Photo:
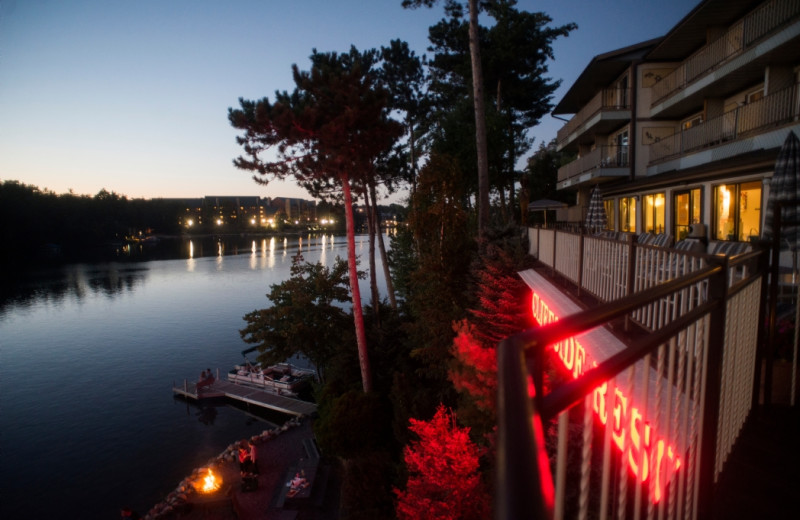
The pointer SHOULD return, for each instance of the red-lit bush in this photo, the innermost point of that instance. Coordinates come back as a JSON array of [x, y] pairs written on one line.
[[443, 478]]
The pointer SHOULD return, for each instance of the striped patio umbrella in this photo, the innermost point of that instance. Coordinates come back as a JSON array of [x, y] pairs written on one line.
[[784, 188], [784, 192], [596, 219]]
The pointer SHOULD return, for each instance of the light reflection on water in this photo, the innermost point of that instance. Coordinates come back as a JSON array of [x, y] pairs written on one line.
[[88, 356]]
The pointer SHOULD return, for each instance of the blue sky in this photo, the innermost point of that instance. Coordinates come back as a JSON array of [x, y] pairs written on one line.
[[132, 96]]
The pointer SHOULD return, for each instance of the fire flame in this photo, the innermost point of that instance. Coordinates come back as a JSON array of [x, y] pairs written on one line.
[[210, 482]]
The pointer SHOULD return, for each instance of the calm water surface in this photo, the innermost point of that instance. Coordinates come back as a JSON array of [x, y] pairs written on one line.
[[88, 355]]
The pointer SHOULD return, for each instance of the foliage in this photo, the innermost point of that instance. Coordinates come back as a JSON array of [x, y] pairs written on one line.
[[402, 261], [366, 487], [474, 375], [501, 310], [328, 131], [306, 315], [514, 51], [403, 75], [352, 424], [439, 288], [443, 477], [38, 222], [502, 295]]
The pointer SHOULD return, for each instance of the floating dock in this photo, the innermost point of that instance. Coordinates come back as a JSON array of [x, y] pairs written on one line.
[[247, 394]]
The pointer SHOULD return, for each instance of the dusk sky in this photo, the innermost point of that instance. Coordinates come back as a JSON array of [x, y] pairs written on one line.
[[132, 96]]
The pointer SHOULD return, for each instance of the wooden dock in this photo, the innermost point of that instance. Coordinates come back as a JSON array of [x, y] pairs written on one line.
[[247, 394]]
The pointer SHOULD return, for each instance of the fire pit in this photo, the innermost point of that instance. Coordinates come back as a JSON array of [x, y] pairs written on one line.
[[210, 494], [209, 483]]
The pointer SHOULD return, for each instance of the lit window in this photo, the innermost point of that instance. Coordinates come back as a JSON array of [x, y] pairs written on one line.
[[737, 211], [654, 213], [627, 214], [608, 205], [687, 211]]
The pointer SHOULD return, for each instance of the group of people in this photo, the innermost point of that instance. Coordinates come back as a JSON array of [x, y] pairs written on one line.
[[248, 465], [206, 379]]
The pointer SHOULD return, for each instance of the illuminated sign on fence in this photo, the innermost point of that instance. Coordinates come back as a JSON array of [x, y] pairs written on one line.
[[632, 434]]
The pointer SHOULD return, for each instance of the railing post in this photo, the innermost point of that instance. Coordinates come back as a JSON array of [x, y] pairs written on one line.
[[555, 242], [631, 274], [580, 263], [763, 314], [718, 291], [524, 483], [773, 301]]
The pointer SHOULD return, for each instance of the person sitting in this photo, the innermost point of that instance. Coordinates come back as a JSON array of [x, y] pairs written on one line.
[[206, 379], [298, 482]]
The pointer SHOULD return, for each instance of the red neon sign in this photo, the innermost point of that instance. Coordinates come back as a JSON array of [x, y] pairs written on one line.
[[631, 433]]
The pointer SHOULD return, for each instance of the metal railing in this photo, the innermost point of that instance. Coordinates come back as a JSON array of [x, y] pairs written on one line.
[[647, 431], [739, 37], [606, 99], [775, 109], [605, 156]]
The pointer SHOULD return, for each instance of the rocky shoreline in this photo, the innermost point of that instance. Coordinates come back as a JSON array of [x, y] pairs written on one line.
[[178, 501]]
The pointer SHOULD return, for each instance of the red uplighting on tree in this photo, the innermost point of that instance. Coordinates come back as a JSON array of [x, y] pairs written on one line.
[[443, 478]]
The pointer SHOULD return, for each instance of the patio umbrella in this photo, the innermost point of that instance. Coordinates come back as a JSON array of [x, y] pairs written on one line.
[[545, 205], [596, 219], [784, 193]]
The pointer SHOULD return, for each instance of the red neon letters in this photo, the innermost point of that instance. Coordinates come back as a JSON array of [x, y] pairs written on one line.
[[630, 431]]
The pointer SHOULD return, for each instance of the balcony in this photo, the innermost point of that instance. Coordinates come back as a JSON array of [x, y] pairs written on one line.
[[743, 122], [742, 37], [606, 111], [602, 162]]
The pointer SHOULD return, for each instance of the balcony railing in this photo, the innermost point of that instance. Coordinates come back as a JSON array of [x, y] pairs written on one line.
[[607, 156], [739, 37], [606, 99], [770, 111], [668, 407]]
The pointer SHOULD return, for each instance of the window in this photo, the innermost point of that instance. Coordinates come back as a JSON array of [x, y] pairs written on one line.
[[687, 211], [608, 204], [737, 211], [654, 211], [754, 96], [627, 214], [694, 121]]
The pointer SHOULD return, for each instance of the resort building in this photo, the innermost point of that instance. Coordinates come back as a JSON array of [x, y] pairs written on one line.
[[660, 325], [685, 128]]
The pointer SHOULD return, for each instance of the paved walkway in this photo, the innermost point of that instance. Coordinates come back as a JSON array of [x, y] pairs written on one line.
[[275, 456]]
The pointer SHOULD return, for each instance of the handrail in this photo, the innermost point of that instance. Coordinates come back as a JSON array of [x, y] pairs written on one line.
[[569, 393], [740, 36], [773, 109], [569, 326], [521, 457]]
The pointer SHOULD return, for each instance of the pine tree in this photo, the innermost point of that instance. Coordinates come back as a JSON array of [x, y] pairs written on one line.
[[502, 298], [444, 482]]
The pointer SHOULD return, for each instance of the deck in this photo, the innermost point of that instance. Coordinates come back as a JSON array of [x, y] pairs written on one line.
[[249, 395]]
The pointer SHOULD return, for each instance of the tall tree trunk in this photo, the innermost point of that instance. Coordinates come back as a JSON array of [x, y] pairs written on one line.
[[375, 297], [382, 249], [480, 119], [355, 292], [413, 156]]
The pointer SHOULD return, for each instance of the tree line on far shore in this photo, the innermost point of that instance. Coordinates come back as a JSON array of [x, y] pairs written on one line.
[[40, 227]]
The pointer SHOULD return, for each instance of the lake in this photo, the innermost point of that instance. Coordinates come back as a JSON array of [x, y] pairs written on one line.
[[89, 354]]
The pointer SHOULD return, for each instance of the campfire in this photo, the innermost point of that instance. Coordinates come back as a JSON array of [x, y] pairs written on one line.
[[209, 483]]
